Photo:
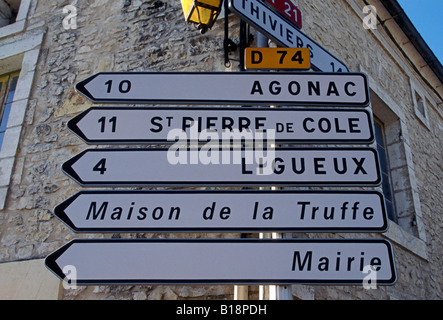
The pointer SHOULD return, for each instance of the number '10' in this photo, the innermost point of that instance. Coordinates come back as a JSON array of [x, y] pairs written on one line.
[[123, 87]]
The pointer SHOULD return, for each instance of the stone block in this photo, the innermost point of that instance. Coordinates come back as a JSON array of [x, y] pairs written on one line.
[[28, 280]]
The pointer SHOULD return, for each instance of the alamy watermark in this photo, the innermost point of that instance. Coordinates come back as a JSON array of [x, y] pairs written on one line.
[[218, 147], [370, 20], [70, 21], [70, 279], [370, 280]]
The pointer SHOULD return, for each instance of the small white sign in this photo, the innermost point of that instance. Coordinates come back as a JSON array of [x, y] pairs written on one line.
[[230, 211], [210, 261], [285, 125], [213, 166], [220, 88]]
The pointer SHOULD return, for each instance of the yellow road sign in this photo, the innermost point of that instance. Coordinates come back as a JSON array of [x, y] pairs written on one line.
[[277, 58]]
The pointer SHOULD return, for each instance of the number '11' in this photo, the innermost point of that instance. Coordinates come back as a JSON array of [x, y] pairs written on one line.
[[112, 121]]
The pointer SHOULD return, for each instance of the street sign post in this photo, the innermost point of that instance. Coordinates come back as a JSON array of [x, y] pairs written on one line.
[[223, 261], [109, 125], [224, 211], [277, 58], [201, 155], [288, 10], [220, 88], [285, 33], [208, 166]]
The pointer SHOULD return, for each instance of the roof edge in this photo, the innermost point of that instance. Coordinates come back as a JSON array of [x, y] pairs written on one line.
[[400, 17]]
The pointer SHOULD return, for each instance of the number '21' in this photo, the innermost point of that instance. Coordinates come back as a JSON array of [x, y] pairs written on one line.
[[288, 11]]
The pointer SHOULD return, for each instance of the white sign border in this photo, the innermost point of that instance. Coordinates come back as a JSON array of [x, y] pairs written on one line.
[[59, 211], [254, 111], [68, 169], [51, 262], [221, 83]]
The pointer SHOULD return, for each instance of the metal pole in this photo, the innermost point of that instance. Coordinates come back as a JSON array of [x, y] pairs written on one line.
[[242, 292], [264, 290], [272, 292], [279, 292]]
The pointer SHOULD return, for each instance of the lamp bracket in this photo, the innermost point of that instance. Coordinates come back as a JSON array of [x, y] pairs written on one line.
[[230, 45]]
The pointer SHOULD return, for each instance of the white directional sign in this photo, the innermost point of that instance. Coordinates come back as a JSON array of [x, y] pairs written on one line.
[[230, 211], [210, 261], [285, 33], [166, 125], [219, 88], [211, 166]]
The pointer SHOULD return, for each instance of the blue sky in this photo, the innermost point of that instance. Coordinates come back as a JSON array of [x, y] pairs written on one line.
[[427, 17]]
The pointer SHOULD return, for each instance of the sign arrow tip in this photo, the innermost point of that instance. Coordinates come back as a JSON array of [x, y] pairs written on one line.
[[73, 125], [51, 261], [69, 171], [81, 87], [60, 213]]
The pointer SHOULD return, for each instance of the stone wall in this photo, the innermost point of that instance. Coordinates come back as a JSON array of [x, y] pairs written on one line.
[[151, 35]]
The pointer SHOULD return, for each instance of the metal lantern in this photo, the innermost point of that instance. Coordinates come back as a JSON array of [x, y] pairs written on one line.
[[202, 13]]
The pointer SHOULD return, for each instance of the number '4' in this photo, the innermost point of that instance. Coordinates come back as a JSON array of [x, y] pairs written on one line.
[[100, 166], [297, 57]]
